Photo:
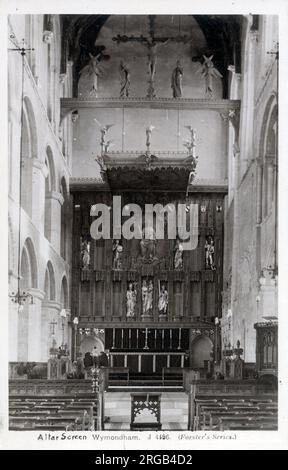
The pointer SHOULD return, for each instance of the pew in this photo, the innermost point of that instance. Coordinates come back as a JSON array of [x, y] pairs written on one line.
[[53, 413]]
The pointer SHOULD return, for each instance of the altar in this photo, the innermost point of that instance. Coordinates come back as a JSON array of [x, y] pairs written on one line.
[[147, 361]]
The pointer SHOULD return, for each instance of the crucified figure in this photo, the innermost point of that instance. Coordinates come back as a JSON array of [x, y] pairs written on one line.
[[152, 44]]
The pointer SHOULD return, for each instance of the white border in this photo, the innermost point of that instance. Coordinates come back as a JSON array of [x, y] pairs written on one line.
[[245, 439]]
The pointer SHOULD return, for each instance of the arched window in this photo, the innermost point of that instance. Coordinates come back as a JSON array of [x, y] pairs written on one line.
[[49, 285], [28, 280], [28, 152], [64, 301]]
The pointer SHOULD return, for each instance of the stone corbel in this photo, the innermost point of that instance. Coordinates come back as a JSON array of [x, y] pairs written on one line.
[[62, 78], [40, 166], [268, 277], [47, 36]]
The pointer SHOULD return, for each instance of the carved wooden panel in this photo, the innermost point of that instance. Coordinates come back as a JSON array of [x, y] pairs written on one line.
[[99, 290], [195, 300]]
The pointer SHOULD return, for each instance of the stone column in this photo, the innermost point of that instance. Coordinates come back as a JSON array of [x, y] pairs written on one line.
[[259, 176], [267, 295], [49, 320], [247, 121], [13, 321], [53, 203], [34, 325], [235, 83]]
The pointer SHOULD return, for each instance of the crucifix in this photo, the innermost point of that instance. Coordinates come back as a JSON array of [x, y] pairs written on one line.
[[151, 42]]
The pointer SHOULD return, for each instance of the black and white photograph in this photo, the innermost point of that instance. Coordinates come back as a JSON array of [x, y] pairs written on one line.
[[143, 216]]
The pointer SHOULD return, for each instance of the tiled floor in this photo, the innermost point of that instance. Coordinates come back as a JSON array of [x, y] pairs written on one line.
[[174, 411]]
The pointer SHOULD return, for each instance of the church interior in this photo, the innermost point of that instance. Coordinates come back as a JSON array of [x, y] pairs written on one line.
[[111, 115]]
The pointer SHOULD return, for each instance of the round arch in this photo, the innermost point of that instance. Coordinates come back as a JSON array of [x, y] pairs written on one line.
[[64, 298], [64, 190], [28, 265], [201, 349], [49, 283], [89, 342], [30, 115], [268, 155], [49, 161], [270, 108], [29, 150]]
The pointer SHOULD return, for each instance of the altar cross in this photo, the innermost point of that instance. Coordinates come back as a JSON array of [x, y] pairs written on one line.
[[52, 327]]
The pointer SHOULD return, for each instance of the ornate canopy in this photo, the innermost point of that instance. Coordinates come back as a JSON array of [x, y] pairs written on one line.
[[144, 171]]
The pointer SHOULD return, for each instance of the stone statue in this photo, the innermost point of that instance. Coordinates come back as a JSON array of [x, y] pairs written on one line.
[[150, 296], [148, 245], [176, 81], [163, 300], [131, 296], [149, 130], [89, 76], [144, 296], [178, 256], [85, 254], [147, 297], [209, 253], [117, 255], [124, 80], [209, 72]]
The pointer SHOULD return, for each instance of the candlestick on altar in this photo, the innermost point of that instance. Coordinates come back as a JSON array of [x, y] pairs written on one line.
[[146, 339]]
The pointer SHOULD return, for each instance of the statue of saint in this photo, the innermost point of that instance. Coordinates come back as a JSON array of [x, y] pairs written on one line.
[[85, 254], [178, 256], [88, 82], [147, 297], [124, 80], [176, 81], [131, 296], [209, 72], [163, 300], [209, 253], [117, 255], [148, 245]]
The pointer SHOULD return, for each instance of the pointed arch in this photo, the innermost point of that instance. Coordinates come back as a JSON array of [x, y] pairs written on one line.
[[201, 349]]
